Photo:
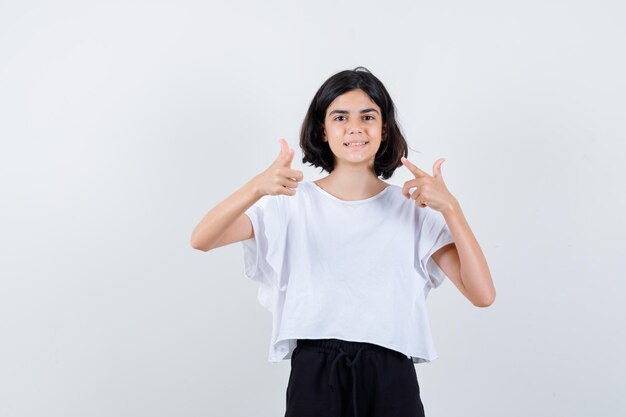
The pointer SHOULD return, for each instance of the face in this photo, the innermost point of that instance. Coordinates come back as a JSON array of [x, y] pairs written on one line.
[[353, 117]]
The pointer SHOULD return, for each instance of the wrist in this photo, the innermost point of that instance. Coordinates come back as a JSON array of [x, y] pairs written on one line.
[[253, 189], [453, 209]]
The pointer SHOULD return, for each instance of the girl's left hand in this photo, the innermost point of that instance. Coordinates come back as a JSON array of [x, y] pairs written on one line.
[[431, 190]]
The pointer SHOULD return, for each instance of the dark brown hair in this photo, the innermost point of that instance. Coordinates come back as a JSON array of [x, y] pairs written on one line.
[[318, 153]]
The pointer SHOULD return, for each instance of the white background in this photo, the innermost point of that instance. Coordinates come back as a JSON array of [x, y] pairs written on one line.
[[122, 123]]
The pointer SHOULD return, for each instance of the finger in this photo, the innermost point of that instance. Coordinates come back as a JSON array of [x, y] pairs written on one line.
[[285, 191], [408, 185], [413, 168], [419, 199], [286, 155], [415, 195], [295, 174], [288, 182], [437, 167], [284, 149], [287, 186]]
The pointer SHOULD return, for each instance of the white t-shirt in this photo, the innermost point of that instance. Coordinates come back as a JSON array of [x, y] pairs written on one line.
[[352, 270]]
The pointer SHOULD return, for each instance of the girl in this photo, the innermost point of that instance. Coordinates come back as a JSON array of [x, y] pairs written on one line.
[[345, 263]]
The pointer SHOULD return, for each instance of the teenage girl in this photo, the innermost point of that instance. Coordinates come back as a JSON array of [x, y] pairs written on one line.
[[345, 262]]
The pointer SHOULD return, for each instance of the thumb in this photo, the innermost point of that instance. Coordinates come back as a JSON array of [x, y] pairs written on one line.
[[286, 154], [437, 167]]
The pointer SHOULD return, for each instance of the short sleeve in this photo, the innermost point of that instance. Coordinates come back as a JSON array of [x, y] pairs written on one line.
[[433, 235], [264, 253]]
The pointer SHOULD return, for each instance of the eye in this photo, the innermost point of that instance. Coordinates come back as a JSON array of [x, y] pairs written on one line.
[[338, 117], [369, 115]]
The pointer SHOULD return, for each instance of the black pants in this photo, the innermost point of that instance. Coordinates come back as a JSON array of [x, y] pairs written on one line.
[[338, 378]]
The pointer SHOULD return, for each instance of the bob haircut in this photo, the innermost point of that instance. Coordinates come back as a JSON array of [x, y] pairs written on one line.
[[318, 153]]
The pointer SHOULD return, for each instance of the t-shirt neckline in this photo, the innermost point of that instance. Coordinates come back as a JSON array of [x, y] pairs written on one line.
[[329, 195]]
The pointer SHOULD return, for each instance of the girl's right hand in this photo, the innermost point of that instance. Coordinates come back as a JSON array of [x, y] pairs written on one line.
[[279, 178]]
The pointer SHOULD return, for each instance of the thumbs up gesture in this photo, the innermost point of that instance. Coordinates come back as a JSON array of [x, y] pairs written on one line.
[[279, 178], [431, 190]]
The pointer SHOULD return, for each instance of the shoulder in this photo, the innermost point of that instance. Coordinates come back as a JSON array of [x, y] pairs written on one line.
[[304, 188], [394, 193], [408, 208], [288, 204]]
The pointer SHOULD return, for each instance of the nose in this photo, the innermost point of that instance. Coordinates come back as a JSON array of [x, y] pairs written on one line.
[[355, 126]]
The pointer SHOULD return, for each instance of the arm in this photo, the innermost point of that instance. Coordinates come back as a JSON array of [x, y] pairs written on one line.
[[464, 262], [225, 223]]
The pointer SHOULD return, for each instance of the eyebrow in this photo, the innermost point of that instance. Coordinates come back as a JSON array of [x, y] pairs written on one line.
[[347, 112]]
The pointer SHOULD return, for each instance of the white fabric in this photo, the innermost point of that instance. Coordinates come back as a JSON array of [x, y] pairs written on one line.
[[351, 270]]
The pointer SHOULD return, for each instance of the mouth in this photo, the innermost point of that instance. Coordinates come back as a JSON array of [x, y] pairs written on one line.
[[356, 145]]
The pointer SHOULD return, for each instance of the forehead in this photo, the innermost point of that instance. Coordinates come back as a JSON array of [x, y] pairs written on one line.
[[352, 100]]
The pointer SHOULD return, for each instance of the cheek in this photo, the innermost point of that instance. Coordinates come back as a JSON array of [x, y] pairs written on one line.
[[335, 135]]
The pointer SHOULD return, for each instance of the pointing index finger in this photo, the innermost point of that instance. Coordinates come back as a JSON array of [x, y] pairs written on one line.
[[413, 168]]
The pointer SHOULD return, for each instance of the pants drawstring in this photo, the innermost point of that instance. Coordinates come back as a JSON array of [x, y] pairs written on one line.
[[351, 364]]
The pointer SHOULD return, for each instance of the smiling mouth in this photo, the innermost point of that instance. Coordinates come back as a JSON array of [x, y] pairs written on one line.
[[356, 144]]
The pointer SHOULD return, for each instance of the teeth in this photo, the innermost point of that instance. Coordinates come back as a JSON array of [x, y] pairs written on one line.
[[355, 143]]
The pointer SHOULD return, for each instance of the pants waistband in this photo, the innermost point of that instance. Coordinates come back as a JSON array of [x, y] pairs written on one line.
[[337, 345]]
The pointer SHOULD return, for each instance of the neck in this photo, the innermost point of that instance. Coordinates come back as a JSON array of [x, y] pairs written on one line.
[[352, 182]]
